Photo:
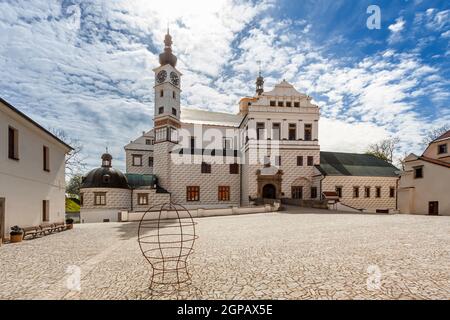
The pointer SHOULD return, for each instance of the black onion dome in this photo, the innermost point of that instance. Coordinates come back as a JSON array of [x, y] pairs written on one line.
[[167, 57], [105, 176]]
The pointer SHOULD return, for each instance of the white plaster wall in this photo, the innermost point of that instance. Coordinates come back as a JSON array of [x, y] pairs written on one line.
[[434, 186], [24, 184]]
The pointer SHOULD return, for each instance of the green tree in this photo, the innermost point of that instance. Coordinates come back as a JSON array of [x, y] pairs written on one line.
[[73, 187]]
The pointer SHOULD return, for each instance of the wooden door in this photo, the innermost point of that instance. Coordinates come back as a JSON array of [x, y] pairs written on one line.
[[433, 208]]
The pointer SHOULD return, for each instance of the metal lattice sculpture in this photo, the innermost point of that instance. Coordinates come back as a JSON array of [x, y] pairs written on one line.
[[166, 238]]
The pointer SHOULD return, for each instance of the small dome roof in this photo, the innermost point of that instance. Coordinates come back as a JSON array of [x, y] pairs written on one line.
[[105, 176]]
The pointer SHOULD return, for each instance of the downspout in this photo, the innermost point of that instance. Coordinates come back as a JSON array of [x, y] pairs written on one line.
[[131, 206]]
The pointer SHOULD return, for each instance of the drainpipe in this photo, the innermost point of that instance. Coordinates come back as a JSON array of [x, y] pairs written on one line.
[[131, 206]]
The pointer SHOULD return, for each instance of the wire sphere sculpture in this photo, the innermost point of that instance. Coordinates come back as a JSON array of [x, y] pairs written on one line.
[[166, 237]]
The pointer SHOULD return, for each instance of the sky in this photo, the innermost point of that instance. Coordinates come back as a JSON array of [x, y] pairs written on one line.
[[86, 66]]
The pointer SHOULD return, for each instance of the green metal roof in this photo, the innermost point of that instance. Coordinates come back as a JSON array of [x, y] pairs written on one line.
[[141, 180], [354, 164]]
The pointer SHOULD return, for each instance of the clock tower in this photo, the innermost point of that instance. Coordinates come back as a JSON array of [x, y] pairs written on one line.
[[167, 111]]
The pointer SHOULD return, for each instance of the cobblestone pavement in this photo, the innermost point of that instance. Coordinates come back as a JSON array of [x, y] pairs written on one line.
[[261, 256]]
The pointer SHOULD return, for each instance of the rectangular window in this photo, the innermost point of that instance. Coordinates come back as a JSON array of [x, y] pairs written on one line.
[[280, 103], [308, 132], [378, 192], [100, 198], [149, 142], [278, 161], [174, 112], [442, 148], [174, 95], [297, 104], [45, 210], [161, 93], [260, 128], [367, 192], [137, 160], [299, 161], [313, 192], [292, 131], [266, 160], [297, 192], [392, 192], [227, 143], [206, 167], [193, 193], [310, 161], [338, 190], [288, 104], [234, 168], [142, 199], [161, 110], [418, 172], [13, 143], [355, 192], [161, 134], [150, 161], [272, 103], [224, 193], [276, 131], [81, 199], [46, 158]]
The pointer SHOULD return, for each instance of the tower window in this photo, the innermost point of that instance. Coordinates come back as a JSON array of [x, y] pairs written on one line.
[[308, 132], [174, 111], [206, 167], [161, 93], [292, 131], [174, 95], [310, 160], [161, 110], [260, 128], [299, 161], [234, 168]]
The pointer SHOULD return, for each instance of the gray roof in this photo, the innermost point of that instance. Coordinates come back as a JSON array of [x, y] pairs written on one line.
[[354, 164], [189, 115]]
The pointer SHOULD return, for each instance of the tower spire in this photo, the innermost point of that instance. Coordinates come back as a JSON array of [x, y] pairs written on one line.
[[259, 81], [167, 57]]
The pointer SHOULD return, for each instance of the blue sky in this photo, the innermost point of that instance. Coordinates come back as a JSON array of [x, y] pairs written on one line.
[[86, 66]]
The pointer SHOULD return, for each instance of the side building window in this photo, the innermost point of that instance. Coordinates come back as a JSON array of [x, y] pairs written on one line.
[[299, 161], [297, 192], [310, 160], [378, 192], [367, 192], [392, 192], [150, 161], [206, 167], [234, 168], [338, 190], [45, 210], [418, 172], [193, 193], [308, 132], [46, 158], [13, 143], [313, 192]]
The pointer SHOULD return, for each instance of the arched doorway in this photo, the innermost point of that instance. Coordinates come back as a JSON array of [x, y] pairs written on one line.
[[269, 191]]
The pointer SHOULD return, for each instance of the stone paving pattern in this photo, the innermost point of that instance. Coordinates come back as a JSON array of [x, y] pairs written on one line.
[[261, 256]]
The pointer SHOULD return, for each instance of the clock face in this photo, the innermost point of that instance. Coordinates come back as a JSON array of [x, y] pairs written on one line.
[[174, 78], [161, 76]]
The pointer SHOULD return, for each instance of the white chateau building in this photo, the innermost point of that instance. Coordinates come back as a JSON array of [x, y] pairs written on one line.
[[270, 149]]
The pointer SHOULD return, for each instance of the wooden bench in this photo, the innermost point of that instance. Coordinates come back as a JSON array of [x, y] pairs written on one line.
[[31, 231], [59, 226], [46, 228]]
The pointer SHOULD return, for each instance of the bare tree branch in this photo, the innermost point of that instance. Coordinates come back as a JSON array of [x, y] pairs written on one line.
[[384, 149], [433, 134], [75, 163]]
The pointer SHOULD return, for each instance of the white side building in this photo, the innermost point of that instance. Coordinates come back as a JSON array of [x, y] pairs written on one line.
[[424, 186], [32, 172]]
